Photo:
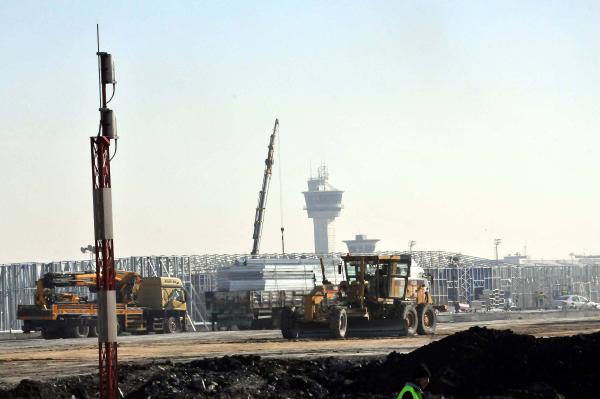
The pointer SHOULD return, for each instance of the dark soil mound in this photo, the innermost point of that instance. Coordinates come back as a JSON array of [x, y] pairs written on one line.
[[79, 387], [475, 363], [482, 361]]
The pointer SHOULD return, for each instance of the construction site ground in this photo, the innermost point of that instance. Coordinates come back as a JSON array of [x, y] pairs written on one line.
[[40, 359]]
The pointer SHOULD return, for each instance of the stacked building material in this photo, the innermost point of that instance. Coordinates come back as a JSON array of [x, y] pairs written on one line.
[[275, 275]]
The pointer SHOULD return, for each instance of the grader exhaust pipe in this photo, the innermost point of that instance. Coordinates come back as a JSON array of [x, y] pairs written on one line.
[[325, 281]]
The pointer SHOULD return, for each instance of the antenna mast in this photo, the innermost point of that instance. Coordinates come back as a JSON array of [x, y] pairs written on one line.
[[103, 232]]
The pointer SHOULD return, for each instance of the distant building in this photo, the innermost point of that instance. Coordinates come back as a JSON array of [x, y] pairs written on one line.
[[323, 205], [516, 259], [361, 244]]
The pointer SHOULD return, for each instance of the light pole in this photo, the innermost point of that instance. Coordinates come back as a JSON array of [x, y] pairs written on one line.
[[497, 241], [91, 250], [411, 244]]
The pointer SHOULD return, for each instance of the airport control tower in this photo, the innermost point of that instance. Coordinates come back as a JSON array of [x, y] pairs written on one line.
[[323, 205]]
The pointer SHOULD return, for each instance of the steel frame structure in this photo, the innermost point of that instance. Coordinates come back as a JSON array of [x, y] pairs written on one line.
[[17, 281]]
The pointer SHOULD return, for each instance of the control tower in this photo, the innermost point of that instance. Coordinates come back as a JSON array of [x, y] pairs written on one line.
[[323, 205]]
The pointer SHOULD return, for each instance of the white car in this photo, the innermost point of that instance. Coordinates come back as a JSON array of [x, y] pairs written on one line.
[[574, 302]]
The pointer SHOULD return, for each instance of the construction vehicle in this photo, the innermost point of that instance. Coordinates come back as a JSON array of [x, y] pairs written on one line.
[[262, 195], [245, 310], [382, 295], [143, 305]]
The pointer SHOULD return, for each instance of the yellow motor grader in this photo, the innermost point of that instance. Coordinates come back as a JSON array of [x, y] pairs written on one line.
[[382, 295]]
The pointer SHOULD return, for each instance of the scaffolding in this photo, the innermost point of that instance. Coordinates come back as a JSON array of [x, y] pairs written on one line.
[[455, 277]]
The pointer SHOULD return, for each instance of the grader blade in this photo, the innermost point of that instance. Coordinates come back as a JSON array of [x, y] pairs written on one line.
[[313, 330], [376, 328], [356, 328]]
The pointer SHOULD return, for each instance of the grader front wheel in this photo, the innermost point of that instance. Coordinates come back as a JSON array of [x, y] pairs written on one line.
[[289, 327], [338, 322]]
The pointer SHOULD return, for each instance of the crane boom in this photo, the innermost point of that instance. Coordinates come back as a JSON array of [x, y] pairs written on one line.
[[262, 195]]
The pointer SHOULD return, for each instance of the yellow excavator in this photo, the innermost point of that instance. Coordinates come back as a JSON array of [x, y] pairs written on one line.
[[382, 295]]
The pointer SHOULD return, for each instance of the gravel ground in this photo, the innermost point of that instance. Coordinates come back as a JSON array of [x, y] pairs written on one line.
[[476, 363]]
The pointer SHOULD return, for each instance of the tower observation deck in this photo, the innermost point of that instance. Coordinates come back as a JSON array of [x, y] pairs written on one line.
[[323, 205]]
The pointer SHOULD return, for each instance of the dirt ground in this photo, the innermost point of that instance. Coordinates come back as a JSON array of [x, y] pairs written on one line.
[[40, 359]]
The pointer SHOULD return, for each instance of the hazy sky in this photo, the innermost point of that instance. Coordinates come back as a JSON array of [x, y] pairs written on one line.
[[450, 123]]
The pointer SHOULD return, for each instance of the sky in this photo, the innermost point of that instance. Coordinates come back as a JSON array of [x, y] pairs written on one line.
[[450, 123]]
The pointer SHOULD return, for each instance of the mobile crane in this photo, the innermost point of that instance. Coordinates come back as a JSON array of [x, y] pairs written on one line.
[[262, 195]]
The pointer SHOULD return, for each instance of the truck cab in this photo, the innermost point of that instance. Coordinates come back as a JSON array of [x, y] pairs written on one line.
[[164, 302]]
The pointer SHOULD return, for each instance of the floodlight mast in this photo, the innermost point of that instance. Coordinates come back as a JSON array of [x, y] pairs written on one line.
[[103, 234]]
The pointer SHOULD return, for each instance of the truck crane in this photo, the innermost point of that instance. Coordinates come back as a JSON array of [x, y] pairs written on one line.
[[262, 195], [127, 286], [143, 304]]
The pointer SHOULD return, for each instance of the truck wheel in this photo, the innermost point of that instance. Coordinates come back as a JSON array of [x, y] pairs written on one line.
[[169, 325], [80, 331], [409, 316], [427, 319], [289, 327], [93, 331], [338, 322]]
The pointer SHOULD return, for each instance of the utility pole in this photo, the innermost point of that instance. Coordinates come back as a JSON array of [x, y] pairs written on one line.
[[411, 244], [103, 232], [497, 241]]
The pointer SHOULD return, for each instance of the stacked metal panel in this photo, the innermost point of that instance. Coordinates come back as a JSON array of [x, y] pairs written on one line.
[[275, 275]]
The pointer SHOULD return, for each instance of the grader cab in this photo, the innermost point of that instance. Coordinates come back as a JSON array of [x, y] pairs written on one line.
[[382, 295]]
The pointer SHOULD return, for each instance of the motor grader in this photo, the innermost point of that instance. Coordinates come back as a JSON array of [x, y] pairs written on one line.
[[382, 295]]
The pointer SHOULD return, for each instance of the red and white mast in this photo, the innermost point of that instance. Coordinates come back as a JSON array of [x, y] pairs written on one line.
[[103, 234]]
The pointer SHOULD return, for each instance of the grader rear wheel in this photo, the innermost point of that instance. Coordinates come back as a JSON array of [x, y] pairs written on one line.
[[410, 318], [427, 319]]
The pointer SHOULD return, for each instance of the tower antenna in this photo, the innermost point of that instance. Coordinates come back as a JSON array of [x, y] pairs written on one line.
[[99, 66]]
